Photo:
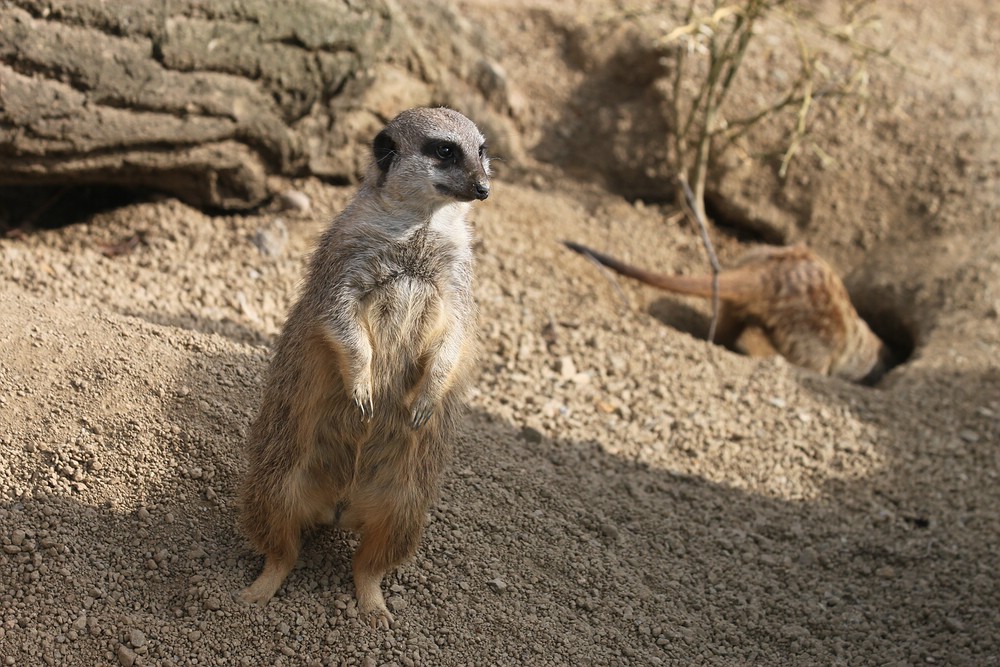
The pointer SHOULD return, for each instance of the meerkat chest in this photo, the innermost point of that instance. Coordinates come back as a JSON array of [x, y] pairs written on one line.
[[410, 291]]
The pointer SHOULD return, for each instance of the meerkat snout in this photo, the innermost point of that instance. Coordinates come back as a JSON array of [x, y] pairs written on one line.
[[482, 191]]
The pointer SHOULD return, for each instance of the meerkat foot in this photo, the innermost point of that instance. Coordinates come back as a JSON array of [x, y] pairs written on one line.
[[376, 613], [267, 584], [371, 603]]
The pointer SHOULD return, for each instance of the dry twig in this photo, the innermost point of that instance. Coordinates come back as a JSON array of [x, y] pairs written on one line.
[[709, 249]]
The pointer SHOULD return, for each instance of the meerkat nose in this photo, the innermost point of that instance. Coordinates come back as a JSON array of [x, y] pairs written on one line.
[[482, 191]]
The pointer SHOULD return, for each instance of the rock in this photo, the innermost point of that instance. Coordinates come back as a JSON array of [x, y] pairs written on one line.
[[566, 368], [293, 200], [529, 434], [126, 656], [968, 435], [137, 638], [497, 585], [272, 238]]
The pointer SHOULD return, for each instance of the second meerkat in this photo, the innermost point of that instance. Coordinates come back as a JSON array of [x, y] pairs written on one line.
[[365, 386], [785, 301]]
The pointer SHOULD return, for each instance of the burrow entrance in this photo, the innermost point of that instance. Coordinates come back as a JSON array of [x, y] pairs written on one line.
[[27, 208]]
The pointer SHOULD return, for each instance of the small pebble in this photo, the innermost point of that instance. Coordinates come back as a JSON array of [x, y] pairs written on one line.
[[294, 200], [953, 624], [126, 656], [497, 585], [566, 367], [272, 239], [532, 435], [137, 638]]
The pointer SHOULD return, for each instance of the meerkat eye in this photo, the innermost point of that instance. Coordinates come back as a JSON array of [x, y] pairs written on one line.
[[482, 151], [445, 151]]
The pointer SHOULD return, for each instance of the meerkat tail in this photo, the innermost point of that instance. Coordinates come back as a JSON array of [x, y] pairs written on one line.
[[734, 285]]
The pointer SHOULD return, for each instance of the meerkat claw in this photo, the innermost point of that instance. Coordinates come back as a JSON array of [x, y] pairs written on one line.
[[380, 619], [421, 414], [365, 405]]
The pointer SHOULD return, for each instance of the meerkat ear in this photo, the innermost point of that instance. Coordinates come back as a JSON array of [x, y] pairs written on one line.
[[384, 149]]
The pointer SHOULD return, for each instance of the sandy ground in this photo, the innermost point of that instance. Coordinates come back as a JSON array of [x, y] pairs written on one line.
[[623, 493]]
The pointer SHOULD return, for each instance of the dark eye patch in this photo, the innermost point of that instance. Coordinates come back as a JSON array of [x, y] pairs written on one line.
[[482, 151], [446, 151]]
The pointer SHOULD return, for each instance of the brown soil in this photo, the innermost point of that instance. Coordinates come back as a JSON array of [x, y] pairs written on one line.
[[623, 493]]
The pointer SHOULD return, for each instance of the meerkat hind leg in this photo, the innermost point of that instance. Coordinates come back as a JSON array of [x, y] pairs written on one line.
[[371, 602], [279, 538], [269, 581], [390, 534], [369, 567], [753, 341]]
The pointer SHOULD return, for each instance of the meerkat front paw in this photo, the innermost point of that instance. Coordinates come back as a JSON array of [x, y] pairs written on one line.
[[363, 400], [423, 408]]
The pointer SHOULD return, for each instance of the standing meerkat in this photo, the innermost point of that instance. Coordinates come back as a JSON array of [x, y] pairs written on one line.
[[785, 301], [365, 385]]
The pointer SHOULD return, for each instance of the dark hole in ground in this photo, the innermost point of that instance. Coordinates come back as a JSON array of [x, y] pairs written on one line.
[[888, 325], [27, 208], [727, 222]]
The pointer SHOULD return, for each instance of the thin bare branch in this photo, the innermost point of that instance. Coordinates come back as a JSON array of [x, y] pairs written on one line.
[[803, 114], [709, 249]]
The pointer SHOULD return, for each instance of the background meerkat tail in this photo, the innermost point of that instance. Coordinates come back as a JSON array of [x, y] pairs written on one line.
[[733, 285]]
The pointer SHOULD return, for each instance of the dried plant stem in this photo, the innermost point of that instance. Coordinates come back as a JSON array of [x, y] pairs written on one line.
[[709, 249]]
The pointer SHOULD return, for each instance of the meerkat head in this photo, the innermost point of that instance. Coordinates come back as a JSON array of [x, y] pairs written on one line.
[[431, 157]]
